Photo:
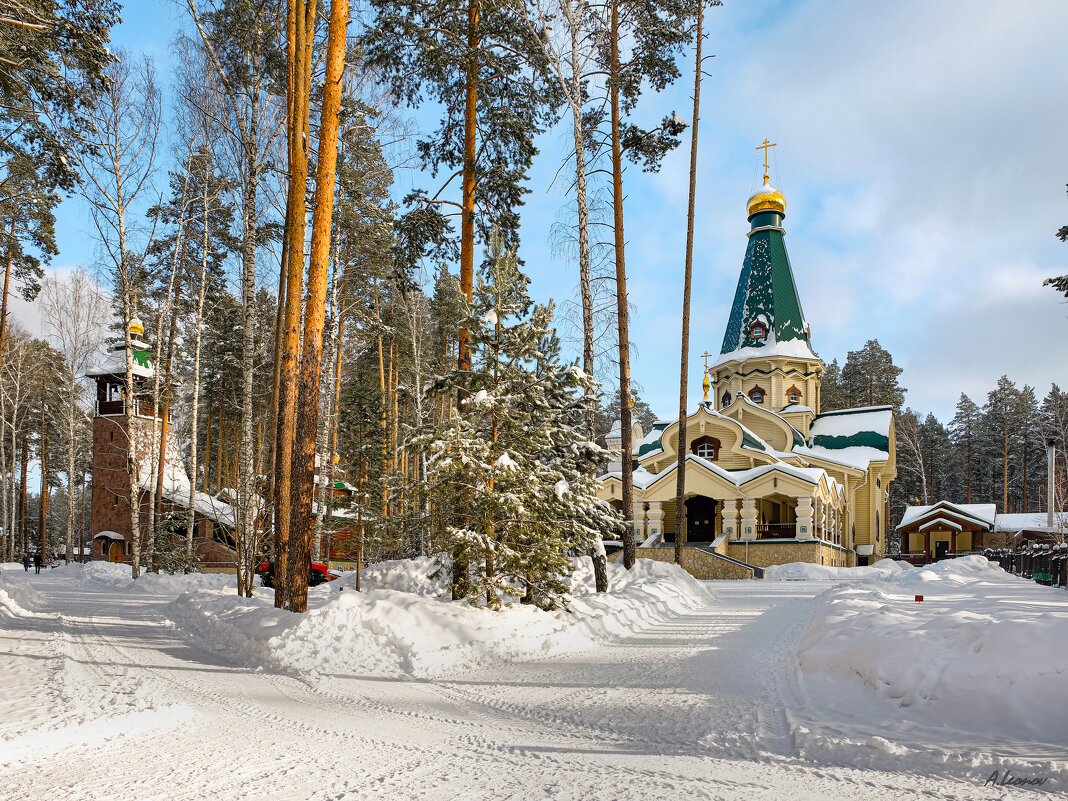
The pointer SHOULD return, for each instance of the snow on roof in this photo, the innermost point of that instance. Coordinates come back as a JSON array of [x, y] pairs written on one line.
[[794, 408], [1030, 521], [108, 535], [848, 422], [797, 439], [941, 521], [855, 437], [859, 457], [812, 475], [984, 513], [641, 477], [115, 364], [648, 444], [797, 348], [176, 486]]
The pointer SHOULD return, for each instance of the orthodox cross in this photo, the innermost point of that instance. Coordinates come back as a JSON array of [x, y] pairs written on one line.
[[765, 147], [706, 384]]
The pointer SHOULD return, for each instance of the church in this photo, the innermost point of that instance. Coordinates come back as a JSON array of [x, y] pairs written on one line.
[[770, 479]]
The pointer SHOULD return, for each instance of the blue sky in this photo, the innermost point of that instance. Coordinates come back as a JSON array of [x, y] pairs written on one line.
[[920, 153]]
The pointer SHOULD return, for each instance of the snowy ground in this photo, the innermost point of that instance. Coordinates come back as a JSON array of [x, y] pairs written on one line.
[[114, 689]]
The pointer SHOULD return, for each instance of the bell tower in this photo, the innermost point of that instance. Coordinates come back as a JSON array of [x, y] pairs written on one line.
[[122, 430], [767, 354]]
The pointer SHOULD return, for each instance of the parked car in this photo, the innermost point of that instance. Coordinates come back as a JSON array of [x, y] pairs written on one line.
[[317, 574]]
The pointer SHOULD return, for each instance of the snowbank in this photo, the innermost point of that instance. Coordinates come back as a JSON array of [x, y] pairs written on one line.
[[400, 625], [117, 576], [420, 576], [985, 654], [806, 571]]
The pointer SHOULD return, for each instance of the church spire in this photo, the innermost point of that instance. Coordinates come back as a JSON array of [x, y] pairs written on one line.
[[766, 318]]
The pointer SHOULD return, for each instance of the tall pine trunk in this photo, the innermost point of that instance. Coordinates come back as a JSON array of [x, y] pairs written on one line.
[[42, 506], [7, 287], [621, 294], [303, 480], [680, 481], [300, 27]]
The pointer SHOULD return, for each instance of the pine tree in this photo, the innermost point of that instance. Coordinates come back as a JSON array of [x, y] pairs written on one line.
[[484, 66], [832, 393], [1029, 447], [964, 433], [1060, 282], [27, 231], [869, 377], [511, 468], [1001, 423]]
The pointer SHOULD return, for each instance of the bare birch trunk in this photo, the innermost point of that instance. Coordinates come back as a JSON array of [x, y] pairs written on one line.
[[326, 464], [190, 518], [247, 491]]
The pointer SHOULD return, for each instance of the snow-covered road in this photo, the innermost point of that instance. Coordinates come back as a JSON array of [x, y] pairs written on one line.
[[103, 699]]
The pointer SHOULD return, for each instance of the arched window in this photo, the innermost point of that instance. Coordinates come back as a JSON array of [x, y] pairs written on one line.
[[758, 330], [726, 400], [706, 448], [756, 394], [793, 395]]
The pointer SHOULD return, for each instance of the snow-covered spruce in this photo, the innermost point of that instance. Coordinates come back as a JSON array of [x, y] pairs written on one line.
[[511, 471]]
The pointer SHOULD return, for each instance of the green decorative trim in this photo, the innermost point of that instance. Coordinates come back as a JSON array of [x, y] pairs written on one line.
[[751, 441], [756, 371], [865, 439], [861, 410]]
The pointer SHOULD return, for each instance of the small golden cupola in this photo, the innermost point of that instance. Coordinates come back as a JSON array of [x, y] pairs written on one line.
[[767, 198]]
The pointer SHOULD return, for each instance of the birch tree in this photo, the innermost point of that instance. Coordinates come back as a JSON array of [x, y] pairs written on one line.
[[123, 126], [74, 309], [240, 42]]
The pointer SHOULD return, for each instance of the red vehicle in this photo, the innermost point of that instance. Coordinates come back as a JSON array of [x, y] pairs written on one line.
[[317, 574]]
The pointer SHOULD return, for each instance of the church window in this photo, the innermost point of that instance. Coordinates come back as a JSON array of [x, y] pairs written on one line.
[[756, 394], [706, 448], [793, 395], [726, 399], [758, 330]]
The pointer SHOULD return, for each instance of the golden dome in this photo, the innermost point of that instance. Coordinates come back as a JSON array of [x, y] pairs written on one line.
[[767, 199], [136, 327]]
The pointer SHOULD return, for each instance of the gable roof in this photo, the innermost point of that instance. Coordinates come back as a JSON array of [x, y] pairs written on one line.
[[981, 514]]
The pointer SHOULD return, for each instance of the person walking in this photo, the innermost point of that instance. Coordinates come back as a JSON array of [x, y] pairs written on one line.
[[37, 562], [26, 561]]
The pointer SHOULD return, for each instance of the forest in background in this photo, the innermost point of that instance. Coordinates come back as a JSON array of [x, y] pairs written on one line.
[[289, 299]]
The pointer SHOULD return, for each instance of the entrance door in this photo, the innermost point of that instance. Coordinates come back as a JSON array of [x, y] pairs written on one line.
[[941, 549], [115, 552], [700, 519]]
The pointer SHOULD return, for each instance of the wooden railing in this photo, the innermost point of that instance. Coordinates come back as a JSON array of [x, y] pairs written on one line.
[[776, 531]]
